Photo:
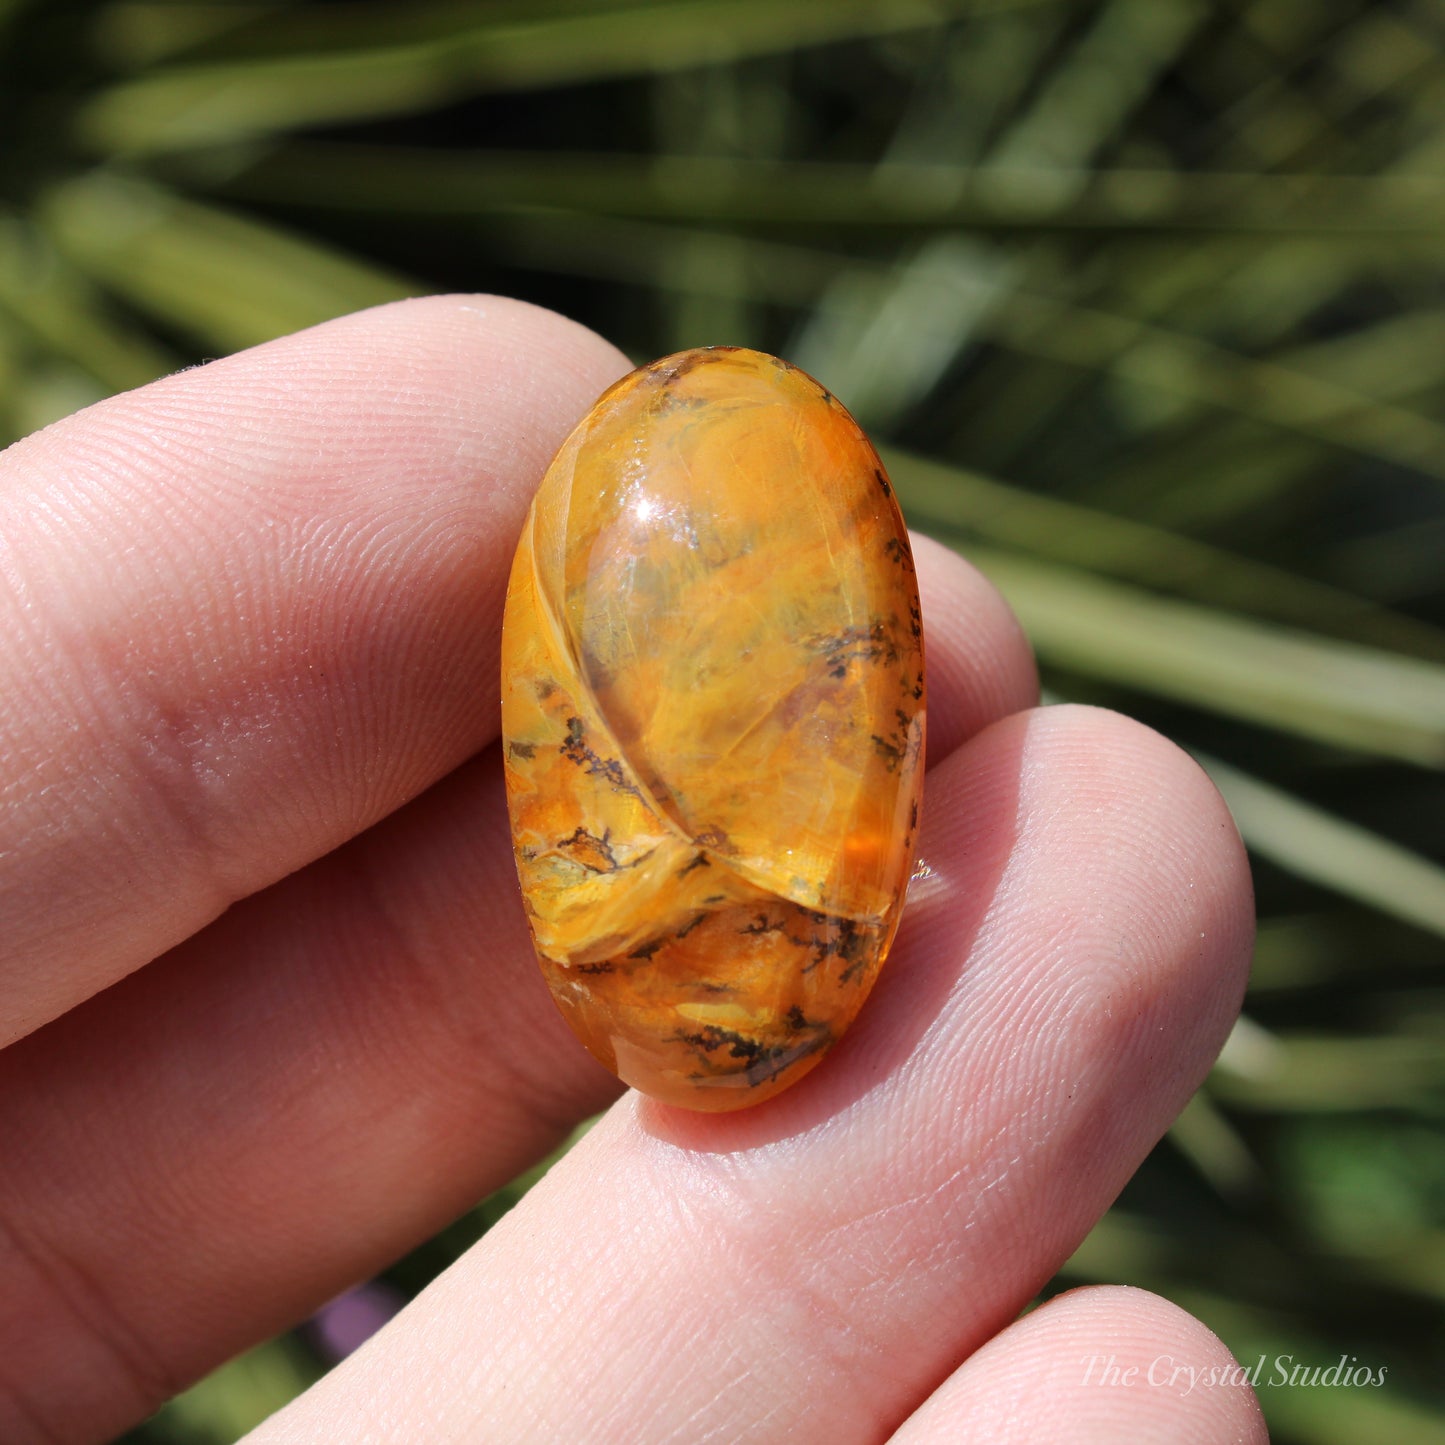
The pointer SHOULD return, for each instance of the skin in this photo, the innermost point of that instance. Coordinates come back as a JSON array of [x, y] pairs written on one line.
[[271, 1013]]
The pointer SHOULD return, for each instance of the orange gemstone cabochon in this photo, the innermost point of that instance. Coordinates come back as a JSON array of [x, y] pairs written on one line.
[[713, 724]]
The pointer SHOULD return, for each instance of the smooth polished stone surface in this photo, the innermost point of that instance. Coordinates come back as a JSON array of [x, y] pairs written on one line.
[[713, 722]]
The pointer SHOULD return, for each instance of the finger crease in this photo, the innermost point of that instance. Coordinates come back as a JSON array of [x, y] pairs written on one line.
[[407, 961], [69, 1282]]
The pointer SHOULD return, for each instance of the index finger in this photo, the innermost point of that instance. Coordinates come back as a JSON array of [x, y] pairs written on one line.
[[250, 609]]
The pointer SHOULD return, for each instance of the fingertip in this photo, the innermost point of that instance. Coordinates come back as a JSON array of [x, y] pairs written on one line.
[[395, 363], [1070, 963], [980, 664], [1099, 1364], [1188, 859], [255, 608]]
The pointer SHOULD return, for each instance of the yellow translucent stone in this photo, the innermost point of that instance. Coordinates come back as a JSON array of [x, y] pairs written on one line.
[[713, 723]]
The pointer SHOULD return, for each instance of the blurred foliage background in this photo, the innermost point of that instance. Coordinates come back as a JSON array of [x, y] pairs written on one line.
[[1145, 300]]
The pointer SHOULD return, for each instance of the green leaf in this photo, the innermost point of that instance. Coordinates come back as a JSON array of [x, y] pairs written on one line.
[[831, 194], [1214, 1146], [441, 54], [1327, 1073], [1333, 692], [1203, 373], [1314, 844], [226, 280], [65, 315], [962, 504]]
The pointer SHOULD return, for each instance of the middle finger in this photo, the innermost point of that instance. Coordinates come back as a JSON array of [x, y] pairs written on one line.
[[812, 1268]]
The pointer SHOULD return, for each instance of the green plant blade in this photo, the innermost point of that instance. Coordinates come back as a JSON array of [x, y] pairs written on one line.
[[1329, 1073], [834, 194], [66, 316], [227, 280], [1334, 853], [960, 503], [1333, 692], [445, 55]]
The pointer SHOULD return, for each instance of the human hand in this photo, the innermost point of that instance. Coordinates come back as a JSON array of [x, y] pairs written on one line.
[[272, 1016]]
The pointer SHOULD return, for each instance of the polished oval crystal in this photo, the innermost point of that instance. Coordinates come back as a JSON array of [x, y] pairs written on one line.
[[713, 723]]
